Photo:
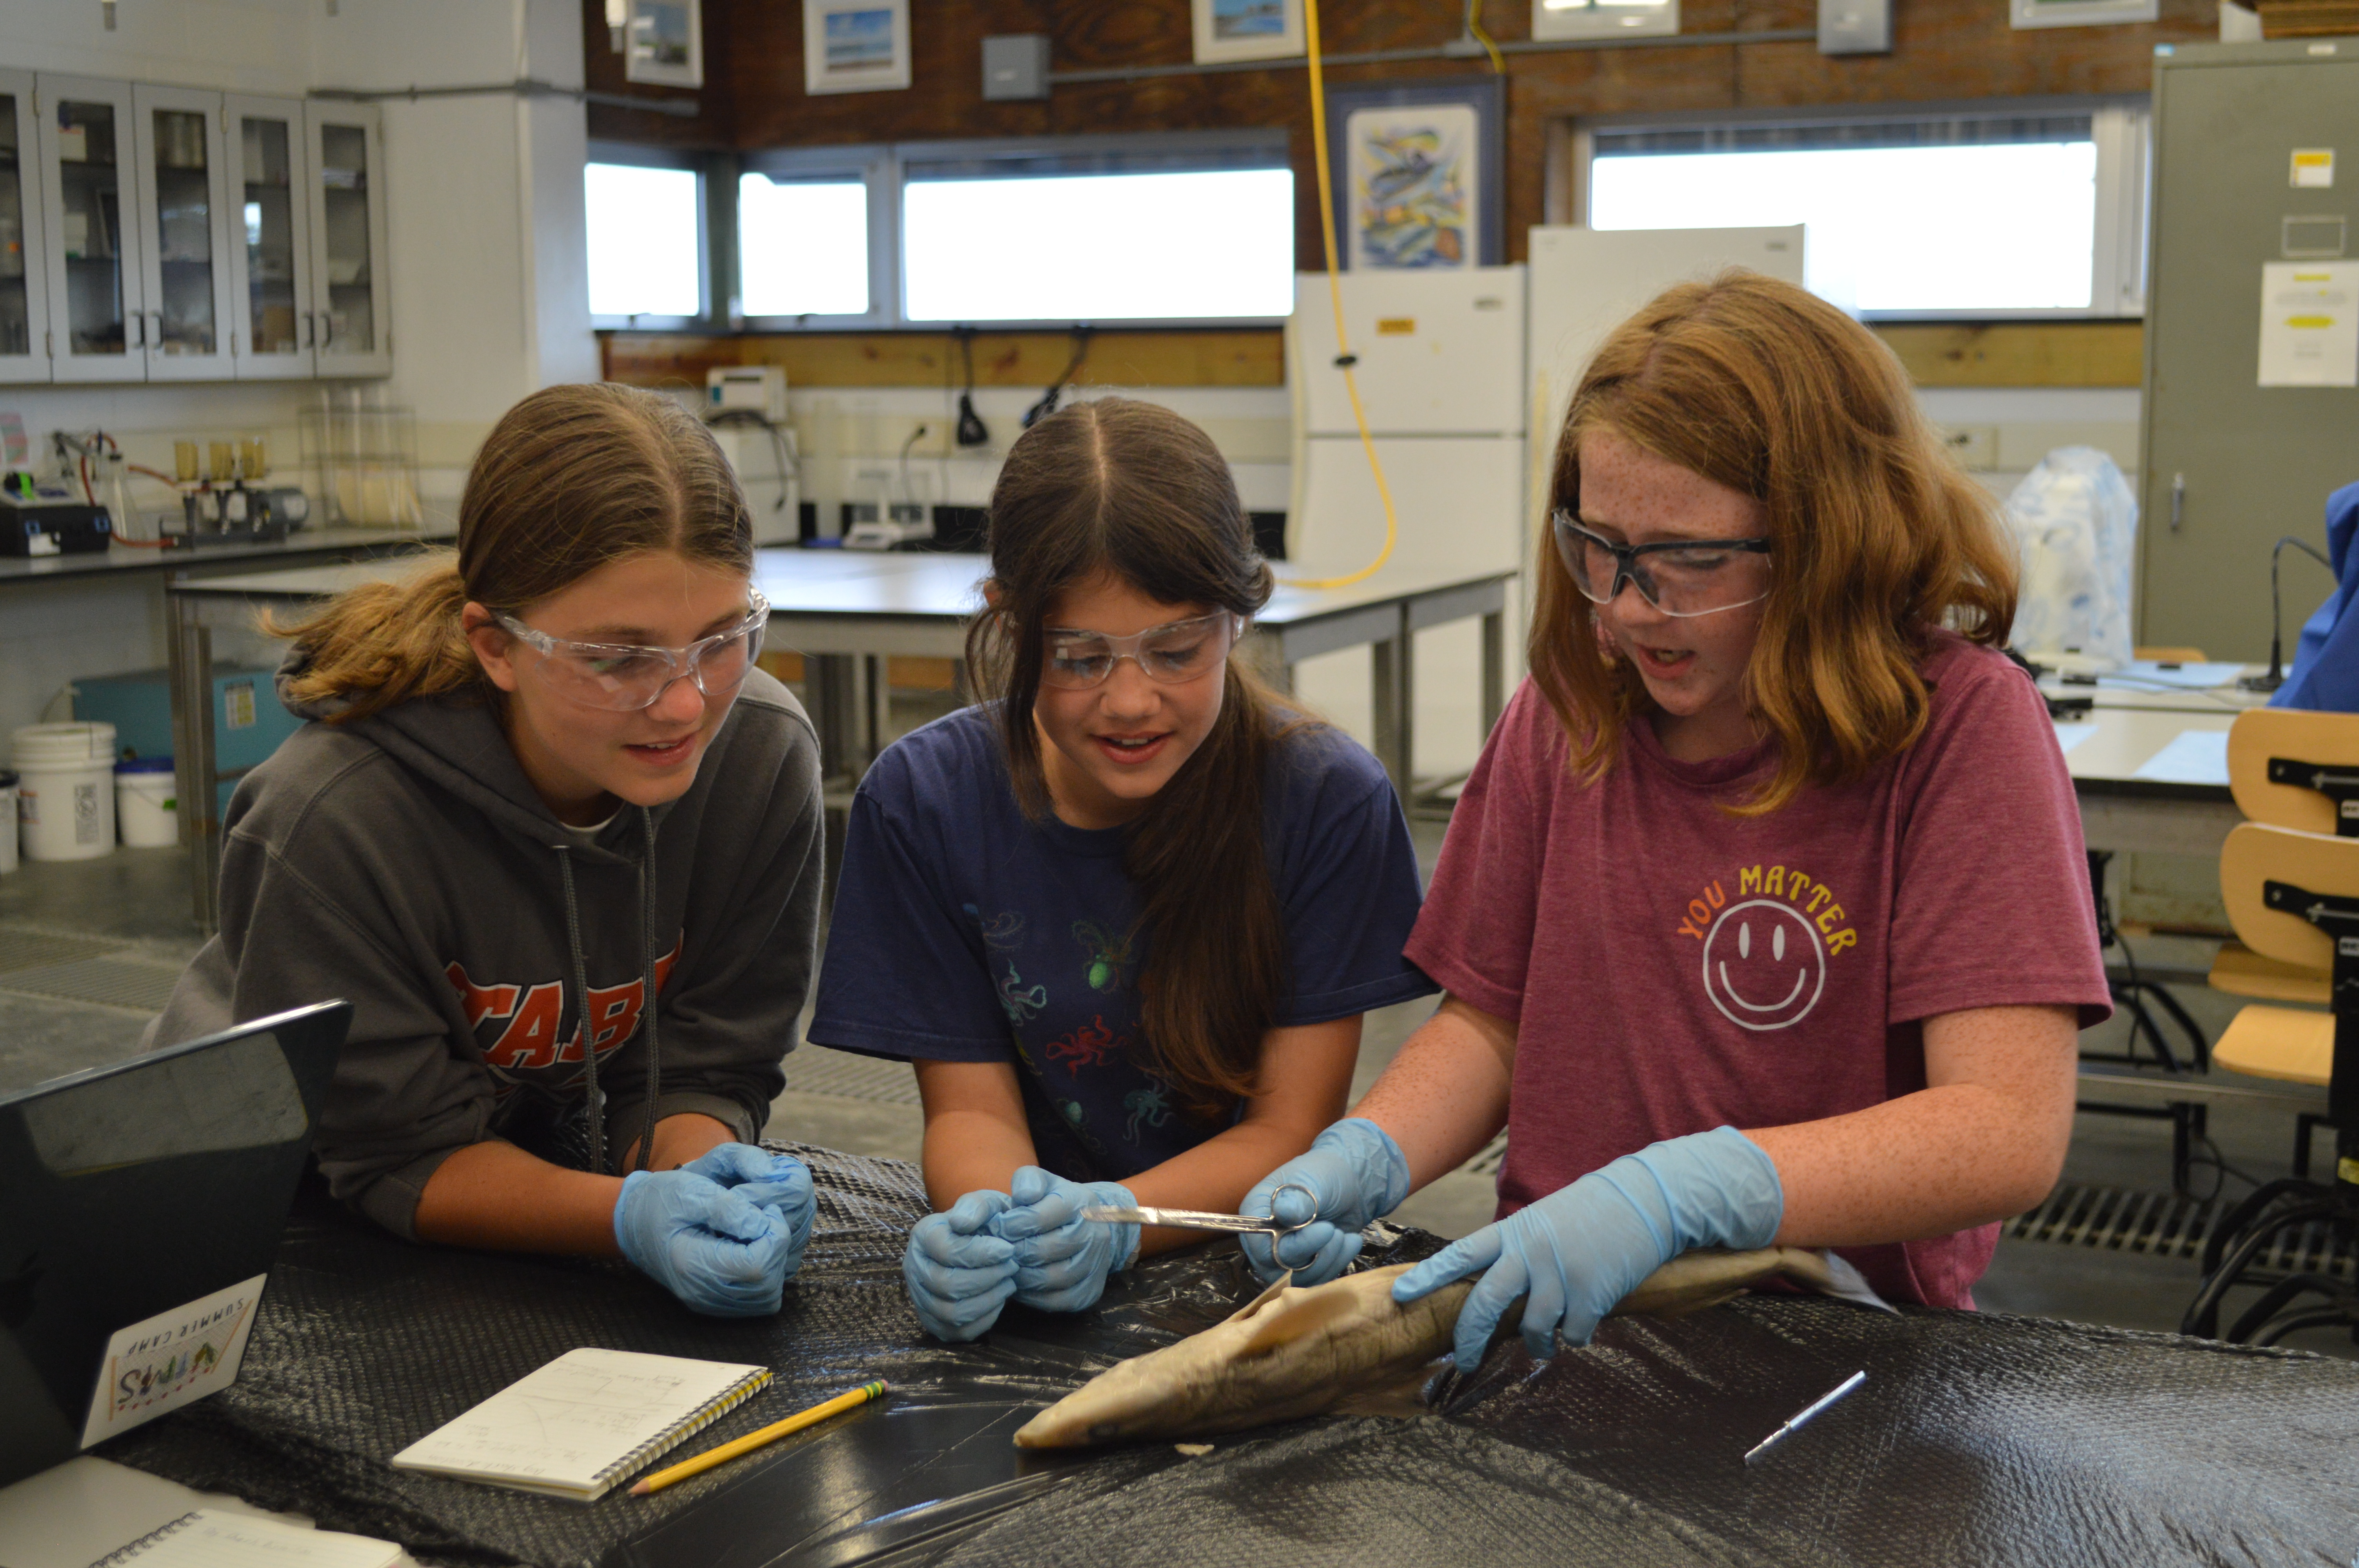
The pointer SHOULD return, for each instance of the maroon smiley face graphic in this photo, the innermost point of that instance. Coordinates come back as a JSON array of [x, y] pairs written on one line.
[[1764, 966]]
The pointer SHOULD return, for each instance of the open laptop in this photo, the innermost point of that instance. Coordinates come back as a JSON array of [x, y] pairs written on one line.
[[140, 1205]]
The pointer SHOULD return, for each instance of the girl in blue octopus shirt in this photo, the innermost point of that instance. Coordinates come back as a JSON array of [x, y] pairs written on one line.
[[1123, 917]]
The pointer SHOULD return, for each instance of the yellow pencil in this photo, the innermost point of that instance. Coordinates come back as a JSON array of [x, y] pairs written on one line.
[[753, 1440]]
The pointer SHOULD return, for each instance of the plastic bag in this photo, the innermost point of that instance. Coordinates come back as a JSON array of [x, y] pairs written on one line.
[[2075, 527]]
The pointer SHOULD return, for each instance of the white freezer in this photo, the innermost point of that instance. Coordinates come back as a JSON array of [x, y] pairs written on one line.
[[1439, 352]]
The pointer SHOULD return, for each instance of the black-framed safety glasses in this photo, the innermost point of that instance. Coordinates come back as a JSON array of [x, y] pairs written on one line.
[[1678, 577]]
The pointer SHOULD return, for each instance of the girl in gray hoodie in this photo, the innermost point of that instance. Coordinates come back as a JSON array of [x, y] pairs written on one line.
[[547, 795]]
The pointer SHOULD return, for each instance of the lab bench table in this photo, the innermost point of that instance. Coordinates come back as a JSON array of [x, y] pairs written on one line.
[[2123, 811], [848, 612], [1978, 1438]]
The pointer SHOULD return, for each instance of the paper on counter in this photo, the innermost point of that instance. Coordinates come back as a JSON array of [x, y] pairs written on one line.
[[2071, 735], [2310, 324], [2194, 757], [2146, 673]]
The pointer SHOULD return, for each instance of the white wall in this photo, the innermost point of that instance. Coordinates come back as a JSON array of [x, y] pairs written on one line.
[[484, 228]]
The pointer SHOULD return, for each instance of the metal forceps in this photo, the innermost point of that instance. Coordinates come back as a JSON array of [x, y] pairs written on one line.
[[1203, 1219]]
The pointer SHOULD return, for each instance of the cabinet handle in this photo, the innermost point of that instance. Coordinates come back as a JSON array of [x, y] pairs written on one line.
[[2178, 500], [311, 330], [327, 329], [132, 319]]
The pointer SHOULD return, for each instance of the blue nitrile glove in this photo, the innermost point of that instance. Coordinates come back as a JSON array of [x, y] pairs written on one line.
[[1578, 1251], [777, 1182], [721, 1254], [1359, 1175], [1062, 1260], [959, 1274]]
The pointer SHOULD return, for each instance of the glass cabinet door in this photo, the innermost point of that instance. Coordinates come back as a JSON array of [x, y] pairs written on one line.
[[91, 230], [183, 190], [24, 301], [273, 329], [346, 157]]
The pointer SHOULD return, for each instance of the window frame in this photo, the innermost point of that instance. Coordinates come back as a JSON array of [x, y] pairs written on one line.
[[869, 164], [2121, 127], [714, 237]]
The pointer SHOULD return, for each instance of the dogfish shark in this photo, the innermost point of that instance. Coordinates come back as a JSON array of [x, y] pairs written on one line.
[[1299, 1352]]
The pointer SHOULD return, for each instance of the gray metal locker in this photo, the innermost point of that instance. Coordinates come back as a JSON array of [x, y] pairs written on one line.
[[2228, 464]]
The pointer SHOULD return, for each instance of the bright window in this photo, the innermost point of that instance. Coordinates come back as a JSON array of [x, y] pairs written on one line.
[[646, 253], [1205, 244], [802, 246], [1965, 215]]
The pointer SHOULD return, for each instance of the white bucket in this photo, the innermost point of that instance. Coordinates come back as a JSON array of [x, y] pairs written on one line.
[[65, 793], [145, 806], [8, 822]]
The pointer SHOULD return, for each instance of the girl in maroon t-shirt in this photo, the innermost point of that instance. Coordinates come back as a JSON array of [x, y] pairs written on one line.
[[1773, 837]]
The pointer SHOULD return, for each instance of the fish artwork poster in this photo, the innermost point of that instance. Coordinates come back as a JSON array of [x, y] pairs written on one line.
[[1415, 179], [171, 1359]]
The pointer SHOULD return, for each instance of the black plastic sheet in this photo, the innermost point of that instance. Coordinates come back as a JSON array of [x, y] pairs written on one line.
[[1977, 1439]]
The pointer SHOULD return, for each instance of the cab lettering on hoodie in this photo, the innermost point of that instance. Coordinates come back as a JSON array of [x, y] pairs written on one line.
[[530, 1016]]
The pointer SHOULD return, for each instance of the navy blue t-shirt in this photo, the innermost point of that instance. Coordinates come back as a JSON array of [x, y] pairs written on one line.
[[965, 932]]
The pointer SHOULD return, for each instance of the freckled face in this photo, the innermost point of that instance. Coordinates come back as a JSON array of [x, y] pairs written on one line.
[[1693, 665]]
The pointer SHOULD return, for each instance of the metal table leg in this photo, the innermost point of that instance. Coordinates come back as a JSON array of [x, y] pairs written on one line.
[[195, 781], [1494, 671], [1391, 689]]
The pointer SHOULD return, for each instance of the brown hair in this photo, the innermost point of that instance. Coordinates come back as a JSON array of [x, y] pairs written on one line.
[[1877, 537], [572, 478], [1135, 490]]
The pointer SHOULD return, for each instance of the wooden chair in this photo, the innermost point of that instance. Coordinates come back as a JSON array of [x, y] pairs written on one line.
[[2290, 878], [2171, 656]]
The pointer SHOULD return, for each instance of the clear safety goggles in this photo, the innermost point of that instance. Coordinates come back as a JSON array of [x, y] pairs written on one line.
[[1678, 577], [624, 679], [1181, 651]]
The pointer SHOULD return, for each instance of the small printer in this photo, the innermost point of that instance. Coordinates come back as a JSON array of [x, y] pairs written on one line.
[[38, 524]]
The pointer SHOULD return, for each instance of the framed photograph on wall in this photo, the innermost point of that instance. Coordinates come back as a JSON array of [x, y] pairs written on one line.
[[855, 46], [1419, 173], [1247, 29], [663, 43]]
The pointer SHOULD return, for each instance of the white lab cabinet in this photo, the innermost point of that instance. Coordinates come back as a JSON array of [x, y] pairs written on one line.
[[23, 279], [170, 233], [274, 327], [181, 176], [346, 160], [90, 229]]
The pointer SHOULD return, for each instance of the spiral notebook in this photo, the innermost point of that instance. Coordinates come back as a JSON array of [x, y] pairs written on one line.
[[587, 1420], [207, 1538]]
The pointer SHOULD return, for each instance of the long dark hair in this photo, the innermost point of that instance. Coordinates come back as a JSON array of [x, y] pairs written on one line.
[[572, 478], [1132, 488]]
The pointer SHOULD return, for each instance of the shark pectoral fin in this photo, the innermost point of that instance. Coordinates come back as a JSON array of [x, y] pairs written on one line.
[[1307, 1316], [1284, 1281], [1398, 1401], [1846, 1284]]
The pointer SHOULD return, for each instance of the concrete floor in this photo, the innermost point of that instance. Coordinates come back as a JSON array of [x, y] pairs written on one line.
[[130, 909]]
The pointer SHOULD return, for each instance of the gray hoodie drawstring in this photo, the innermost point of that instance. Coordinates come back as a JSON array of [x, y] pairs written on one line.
[[649, 986], [647, 1002], [582, 1014]]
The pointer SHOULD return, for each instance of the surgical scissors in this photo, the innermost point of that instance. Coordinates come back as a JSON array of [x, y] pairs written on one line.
[[1203, 1219]]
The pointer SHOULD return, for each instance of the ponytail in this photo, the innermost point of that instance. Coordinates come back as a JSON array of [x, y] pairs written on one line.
[[384, 643]]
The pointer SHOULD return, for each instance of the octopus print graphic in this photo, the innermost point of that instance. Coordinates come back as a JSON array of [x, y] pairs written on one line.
[[1764, 966]]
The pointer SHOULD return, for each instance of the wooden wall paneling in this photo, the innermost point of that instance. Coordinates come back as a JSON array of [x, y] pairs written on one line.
[[1999, 353], [2019, 354], [1253, 357]]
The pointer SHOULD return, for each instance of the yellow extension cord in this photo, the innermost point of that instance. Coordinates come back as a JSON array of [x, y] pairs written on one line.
[[1335, 296]]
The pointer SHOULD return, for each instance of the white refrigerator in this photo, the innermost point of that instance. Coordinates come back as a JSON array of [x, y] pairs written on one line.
[[1440, 374]]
